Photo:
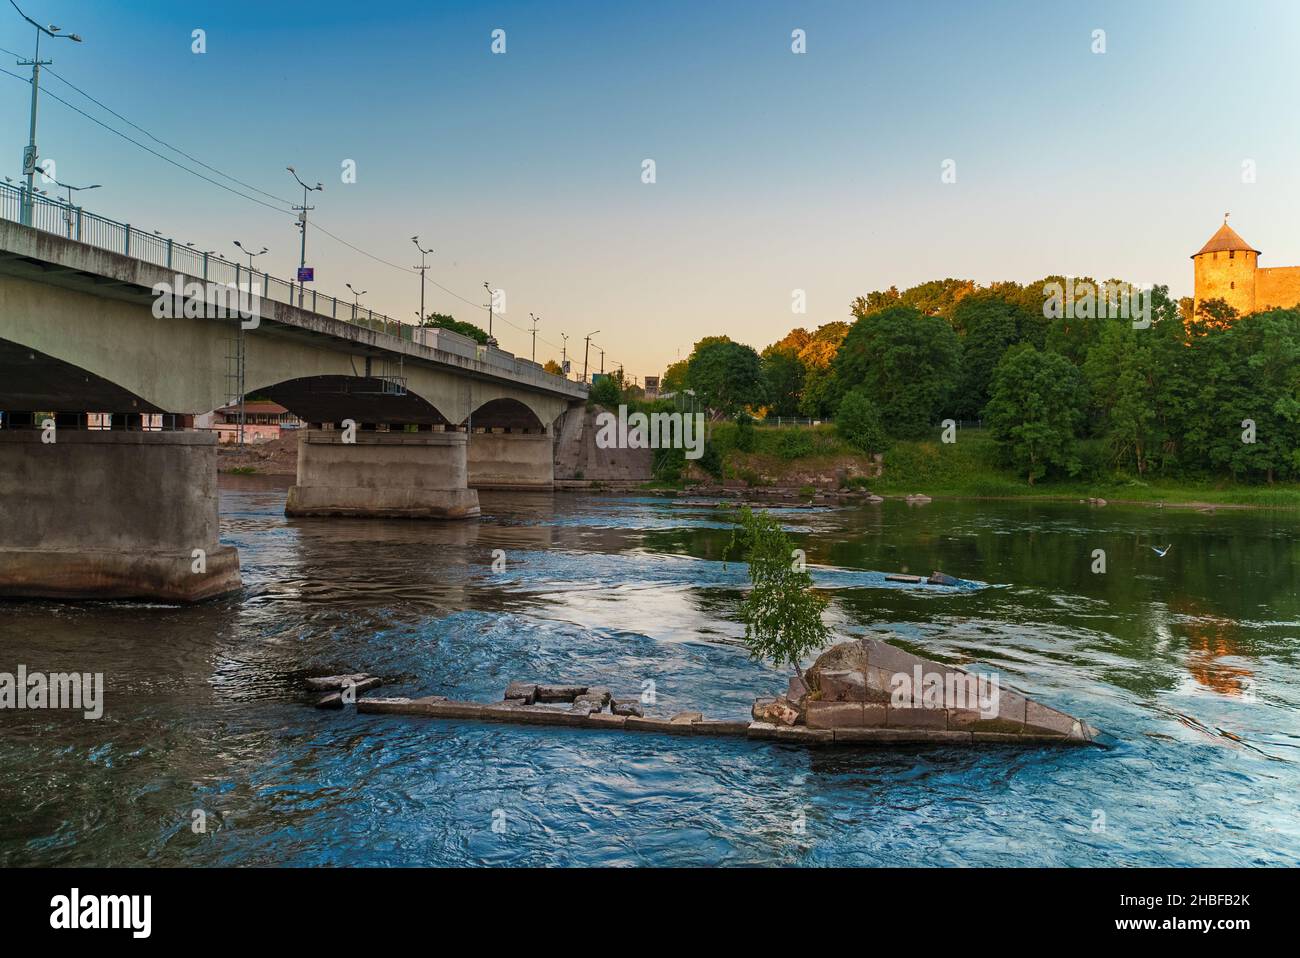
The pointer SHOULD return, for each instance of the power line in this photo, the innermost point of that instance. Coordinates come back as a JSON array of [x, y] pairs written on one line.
[[254, 199], [174, 149], [147, 149]]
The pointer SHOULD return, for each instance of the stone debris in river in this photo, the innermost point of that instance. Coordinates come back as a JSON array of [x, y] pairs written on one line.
[[524, 692], [776, 710], [333, 688], [560, 693], [850, 695], [328, 683]]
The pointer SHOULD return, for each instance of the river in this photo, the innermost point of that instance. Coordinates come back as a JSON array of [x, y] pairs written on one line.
[[207, 755]]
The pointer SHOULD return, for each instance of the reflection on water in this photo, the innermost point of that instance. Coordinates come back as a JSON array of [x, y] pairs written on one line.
[[1189, 661]]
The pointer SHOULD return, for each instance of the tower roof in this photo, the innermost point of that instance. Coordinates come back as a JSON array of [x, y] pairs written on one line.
[[1223, 240]]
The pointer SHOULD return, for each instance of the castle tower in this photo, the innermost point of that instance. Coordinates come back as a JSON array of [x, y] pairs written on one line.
[[1225, 269]]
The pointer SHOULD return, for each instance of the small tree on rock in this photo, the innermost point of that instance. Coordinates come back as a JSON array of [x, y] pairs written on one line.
[[782, 613]]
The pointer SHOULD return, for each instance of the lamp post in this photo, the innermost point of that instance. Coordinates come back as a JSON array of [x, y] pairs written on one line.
[[491, 340], [29, 154], [302, 224], [535, 322], [240, 346], [586, 352], [251, 256], [356, 298], [423, 267], [564, 354], [70, 188]]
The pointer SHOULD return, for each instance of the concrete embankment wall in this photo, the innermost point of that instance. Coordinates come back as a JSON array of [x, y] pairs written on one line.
[[578, 459]]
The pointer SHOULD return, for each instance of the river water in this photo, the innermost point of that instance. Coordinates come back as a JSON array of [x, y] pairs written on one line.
[[1188, 661]]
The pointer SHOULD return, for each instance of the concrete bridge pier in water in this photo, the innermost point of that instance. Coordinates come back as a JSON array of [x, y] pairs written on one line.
[[111, 514]]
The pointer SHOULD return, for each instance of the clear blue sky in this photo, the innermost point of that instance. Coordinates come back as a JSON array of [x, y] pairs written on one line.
[[775, 171]]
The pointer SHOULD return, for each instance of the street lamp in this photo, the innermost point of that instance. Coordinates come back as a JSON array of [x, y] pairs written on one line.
[[68, 212], [251, 255], [239, 349], [422, 268], [356, 298], [535, 320], [302, 224], [491, 339], [564, 354], [29, 154], [587, 352]]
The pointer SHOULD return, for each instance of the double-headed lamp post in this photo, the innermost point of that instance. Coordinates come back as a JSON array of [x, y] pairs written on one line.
[[251, 256], [70, 188], [356, 298], [302, 224], [29, 154], [587, 352], [421, 268]]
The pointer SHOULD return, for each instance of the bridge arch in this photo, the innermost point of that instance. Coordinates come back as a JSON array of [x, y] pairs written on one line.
[[508, 414], [363, 399], [34, 381]]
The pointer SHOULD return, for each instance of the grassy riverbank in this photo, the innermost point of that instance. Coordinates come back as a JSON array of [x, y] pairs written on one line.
[[816, 456]]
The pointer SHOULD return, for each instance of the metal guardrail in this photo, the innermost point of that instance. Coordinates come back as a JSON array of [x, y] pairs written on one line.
[[74, 223]]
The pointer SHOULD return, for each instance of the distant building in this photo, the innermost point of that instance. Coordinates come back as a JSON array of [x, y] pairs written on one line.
[[652, 387], [1227, 268], [263, 421]]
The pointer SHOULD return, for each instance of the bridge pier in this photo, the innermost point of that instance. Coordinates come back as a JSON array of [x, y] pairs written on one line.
[[100, 514], [511, 460], [408, 475]]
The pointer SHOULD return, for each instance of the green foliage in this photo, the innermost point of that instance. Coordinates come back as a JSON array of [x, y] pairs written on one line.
[[446, 321], [906, 362], [711, 460], [605, 392], [674, 378], [744, 432], [992, 324], [1037, 406], [725, 375], [794, 443], [782, 613], [858, 422], [668, 464], [783, 379]]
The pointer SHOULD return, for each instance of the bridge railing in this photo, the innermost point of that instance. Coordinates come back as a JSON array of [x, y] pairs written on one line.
[[64, 219]]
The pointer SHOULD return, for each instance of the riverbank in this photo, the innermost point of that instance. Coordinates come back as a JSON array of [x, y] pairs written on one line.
[[779, 461]]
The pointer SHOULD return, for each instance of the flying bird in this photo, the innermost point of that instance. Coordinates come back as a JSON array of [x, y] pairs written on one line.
[[1161, 552]]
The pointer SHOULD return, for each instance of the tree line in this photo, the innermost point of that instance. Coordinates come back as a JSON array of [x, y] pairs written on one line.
[[1185, 395]]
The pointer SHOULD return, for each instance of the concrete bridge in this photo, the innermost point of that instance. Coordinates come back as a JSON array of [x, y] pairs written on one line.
[[402, 421]]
